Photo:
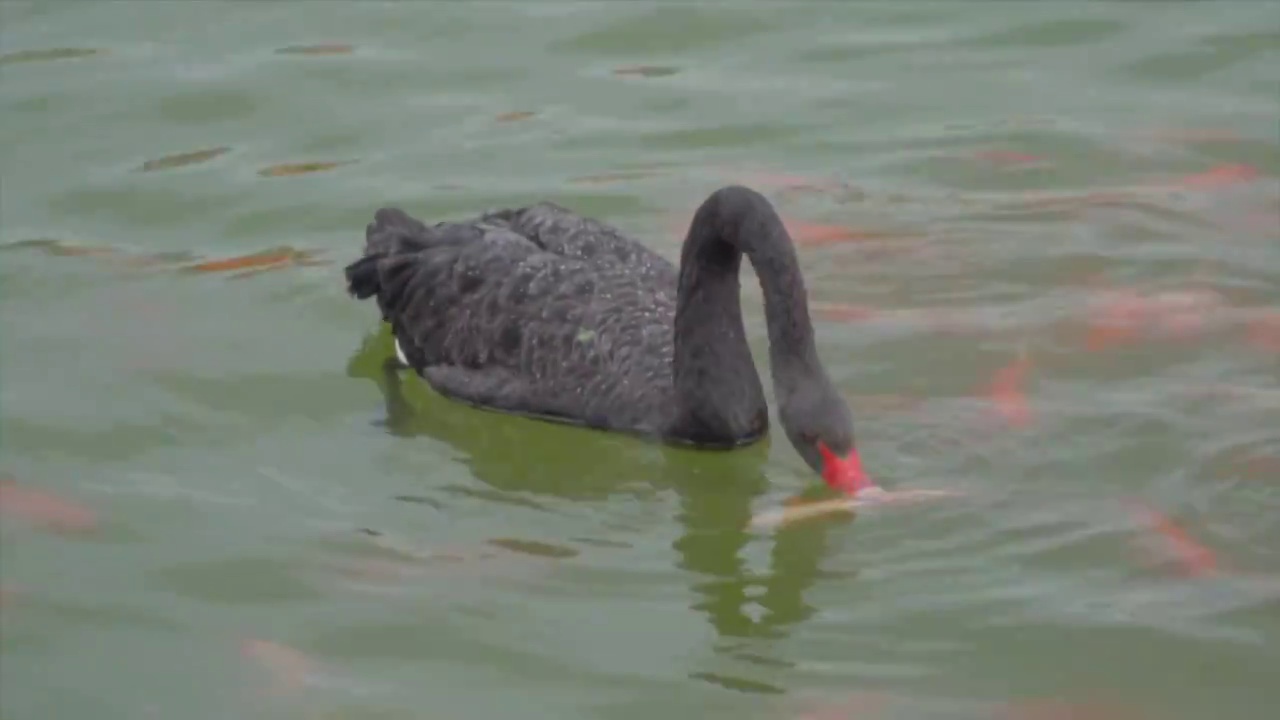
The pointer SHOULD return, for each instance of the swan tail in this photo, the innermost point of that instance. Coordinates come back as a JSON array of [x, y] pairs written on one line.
[[385, 277], [395, 257], [393, 231], [364, 277]]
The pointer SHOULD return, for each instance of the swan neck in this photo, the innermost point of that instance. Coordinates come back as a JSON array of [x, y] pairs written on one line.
[[713, 363]]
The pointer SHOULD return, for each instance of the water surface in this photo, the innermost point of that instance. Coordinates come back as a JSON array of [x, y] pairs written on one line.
[[995, 168]]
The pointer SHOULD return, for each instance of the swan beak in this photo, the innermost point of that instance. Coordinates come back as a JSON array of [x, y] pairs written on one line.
[[844, 474]]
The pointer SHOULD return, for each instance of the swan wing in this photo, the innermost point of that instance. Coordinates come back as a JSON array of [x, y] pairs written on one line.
[[491, 317]]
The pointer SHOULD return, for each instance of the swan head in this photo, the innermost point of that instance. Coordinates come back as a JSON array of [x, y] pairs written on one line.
[[820, 428]]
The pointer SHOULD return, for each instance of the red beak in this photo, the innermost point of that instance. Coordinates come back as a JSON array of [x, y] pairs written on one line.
[[844, 474]]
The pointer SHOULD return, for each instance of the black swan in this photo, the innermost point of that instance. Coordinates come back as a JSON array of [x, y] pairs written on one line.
[[539, 312]]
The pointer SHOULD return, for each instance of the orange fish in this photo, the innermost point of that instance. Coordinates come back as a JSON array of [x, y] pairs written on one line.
[[1006, 391], [244, 262], [1220, 176], [1194, 558], [44, 508], [266, 260]]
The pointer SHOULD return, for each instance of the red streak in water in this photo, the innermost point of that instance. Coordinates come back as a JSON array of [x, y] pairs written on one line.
[[1264, 333], [1006, 391], [1196, 135], [44, 509], [1261, 466], [781, 180], [1128, 315], [1118, 321], [288, 668], [1008, 158], [853, 706], [1193, 557], [807, 234], [841, 312], [1054, 709], [1220, 176]]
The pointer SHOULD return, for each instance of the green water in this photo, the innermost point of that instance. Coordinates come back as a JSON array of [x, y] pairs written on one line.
[[227, 428]]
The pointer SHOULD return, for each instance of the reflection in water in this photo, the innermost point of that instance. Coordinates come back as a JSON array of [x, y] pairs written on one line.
[[716, 491]]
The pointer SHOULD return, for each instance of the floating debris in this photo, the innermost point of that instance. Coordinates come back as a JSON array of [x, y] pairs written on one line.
[[318, 49], [48, 54], [289, 670], [290, 169], [183, 159], [796, 511], [533, 547], [649, 71], [60, 248], [514, 116], [612, 177]]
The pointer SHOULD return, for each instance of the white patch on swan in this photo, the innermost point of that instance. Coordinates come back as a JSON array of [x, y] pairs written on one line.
[[400, 353]]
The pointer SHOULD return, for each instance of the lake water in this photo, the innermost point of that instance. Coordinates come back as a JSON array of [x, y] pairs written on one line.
[[973, 187]]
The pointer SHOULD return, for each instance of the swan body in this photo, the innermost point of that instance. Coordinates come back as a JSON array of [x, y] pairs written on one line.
[[540, 312]]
